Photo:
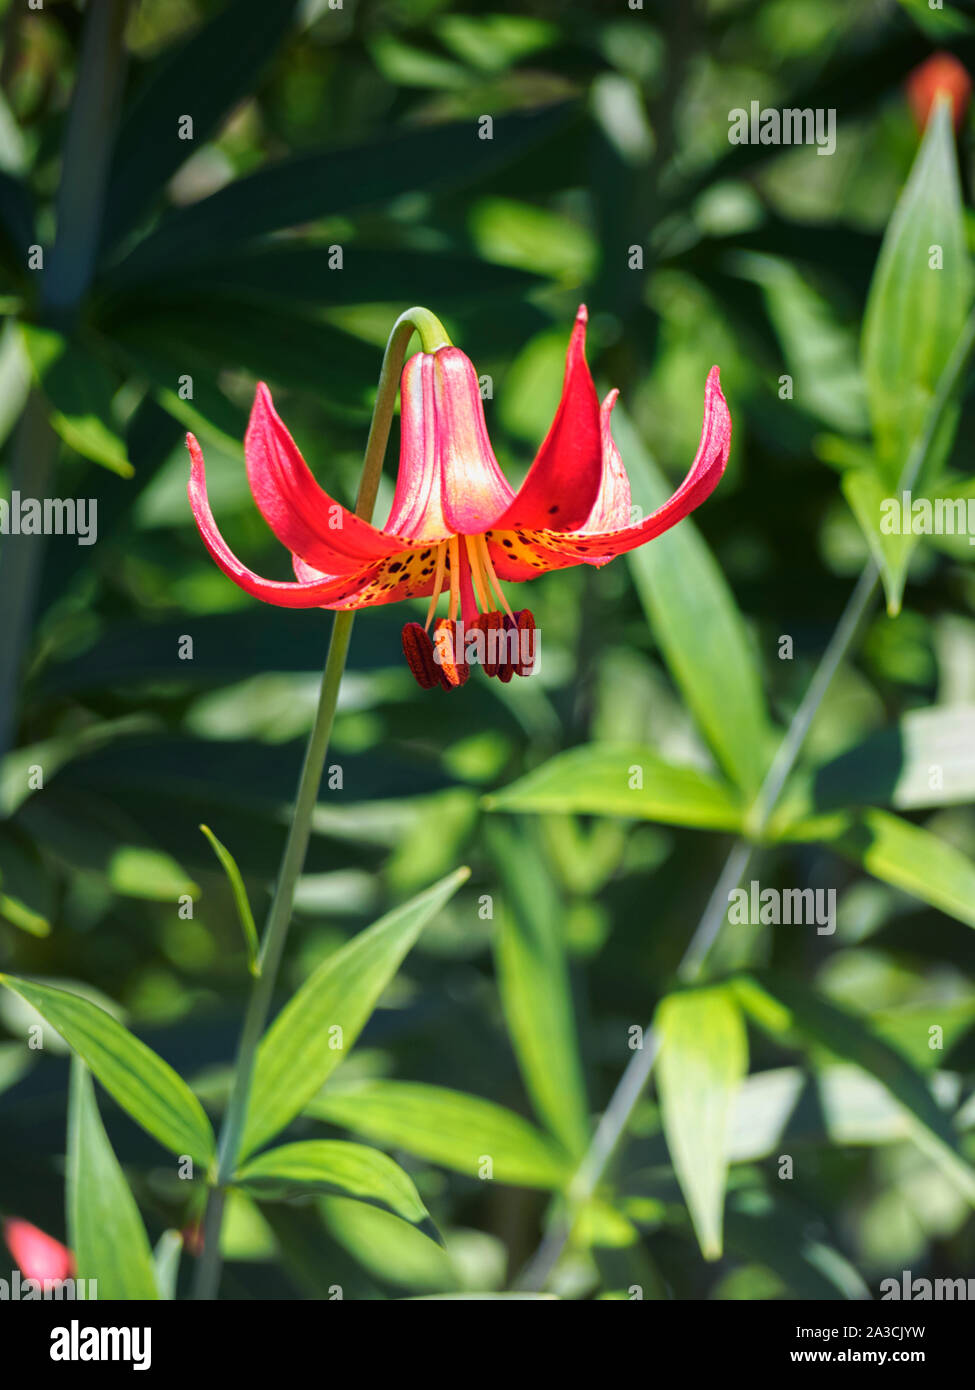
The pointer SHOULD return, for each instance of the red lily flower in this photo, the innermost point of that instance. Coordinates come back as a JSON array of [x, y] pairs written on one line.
[[455, 521], [38, 1256]]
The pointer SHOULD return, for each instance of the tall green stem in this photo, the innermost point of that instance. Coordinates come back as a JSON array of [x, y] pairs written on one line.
[[275, 934]]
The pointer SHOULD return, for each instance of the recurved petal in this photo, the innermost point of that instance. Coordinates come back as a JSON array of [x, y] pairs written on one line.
[[564, 481], [527, 551], [449, 481], [407, 574], [311, 595], [299, 512], [611, 509]]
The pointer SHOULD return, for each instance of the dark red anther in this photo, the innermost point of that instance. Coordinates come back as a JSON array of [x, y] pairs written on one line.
[[507, 648], [526, 643], [451, 666], [489, 623], [418, 650]]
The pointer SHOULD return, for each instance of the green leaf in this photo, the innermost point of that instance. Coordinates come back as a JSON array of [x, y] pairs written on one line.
[[165, 1262], [192, 77], [447, 1127], [234, 878], [926, 759], [281, 344], [79, 390], [18, 914], [303, 275], [632, 782], [533, 979], [785, 1008], [105, 1230], [698, 626], [317, 1027], [899, 853], [703, 1060], [139, 872], [866, 492], [143, 1084], [332, 1165], [312, 186], [839, 1103], [776, 1232], [941, 24], [915, 313]]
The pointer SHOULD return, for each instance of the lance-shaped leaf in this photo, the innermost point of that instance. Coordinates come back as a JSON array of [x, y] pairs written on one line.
[[703, 1060], [787, 1009], [459, 1131], [926, 759], [237, 887], [79, 390], [311, 186], [165, 1262], [698, 626], [143, 1084], [633, 782], [919, 298], [334, 1166], [317, 1027], [533, 979], [897, 852], [105, 1230], [194, 78]]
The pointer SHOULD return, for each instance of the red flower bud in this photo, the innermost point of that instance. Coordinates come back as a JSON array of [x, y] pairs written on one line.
[[940, 73], [38, 1256]]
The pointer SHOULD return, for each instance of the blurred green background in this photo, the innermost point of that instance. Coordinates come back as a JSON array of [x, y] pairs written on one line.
[[316, 127]]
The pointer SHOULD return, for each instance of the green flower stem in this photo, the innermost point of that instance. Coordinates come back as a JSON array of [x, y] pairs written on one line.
[[296, 847], [616, 1117]]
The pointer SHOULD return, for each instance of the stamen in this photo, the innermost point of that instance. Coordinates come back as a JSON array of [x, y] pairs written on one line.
[[492, 577], [452, 668], [418, 650], [437, 583], [453, 547], [478, 575]]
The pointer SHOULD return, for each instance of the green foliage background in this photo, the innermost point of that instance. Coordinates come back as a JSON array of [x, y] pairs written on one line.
[[316, 127]]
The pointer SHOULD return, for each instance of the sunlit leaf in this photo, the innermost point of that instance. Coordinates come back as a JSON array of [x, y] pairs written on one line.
[[703, 1059], [919, 299], [926, 759], [105, 1230], [447, 1127], [79, 390], [317, 1027], [898, 852], [632, 782], [140, 1081], [244, 914], [332, 1165]]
